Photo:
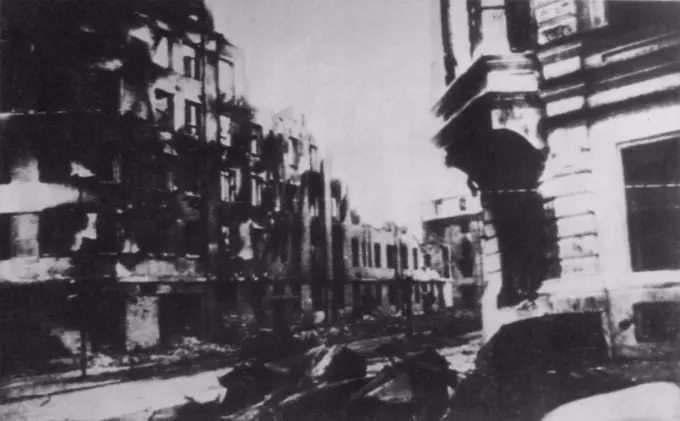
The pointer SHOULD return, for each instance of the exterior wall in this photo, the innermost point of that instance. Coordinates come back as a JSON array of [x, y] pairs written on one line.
[[383, 237], [601, 93], [444, 224], [100, 133]]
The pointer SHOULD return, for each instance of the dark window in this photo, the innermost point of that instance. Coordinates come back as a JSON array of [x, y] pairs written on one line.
[[369, 250], [102, 235], [467, 261], [164, 110], [445, 261], [355, 252], [519, 25], [54, 165], [363, 253], [194, 235], [427, 260], [403, 251], [107, 233], [5, 236], [192, 62], [192, 117], [415, 258], [377, 255], [652, 179], [391, 256], [5, 165], [57, 229]]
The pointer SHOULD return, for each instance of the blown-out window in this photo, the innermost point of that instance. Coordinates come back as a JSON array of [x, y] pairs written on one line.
[[403, 251], [164, 109], [651, 173], [192, 62], [377, 255], [391, 256], [355, 252]]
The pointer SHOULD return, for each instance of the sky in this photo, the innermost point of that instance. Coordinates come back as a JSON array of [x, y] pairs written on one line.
[[360, 71]]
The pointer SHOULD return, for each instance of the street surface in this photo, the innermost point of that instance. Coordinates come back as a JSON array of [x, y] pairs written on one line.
[[138, 400]]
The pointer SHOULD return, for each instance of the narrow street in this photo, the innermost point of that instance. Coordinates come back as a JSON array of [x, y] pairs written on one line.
[[365, 210], [138, 400]]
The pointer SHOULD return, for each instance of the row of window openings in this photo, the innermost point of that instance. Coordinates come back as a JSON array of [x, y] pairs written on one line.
[[165, 119], [375, 258], [56, 238], [192, 66], [230, 186]]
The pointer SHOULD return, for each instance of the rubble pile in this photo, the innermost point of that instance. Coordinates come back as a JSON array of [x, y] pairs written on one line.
[[331, 382], [181, 350], [533, 366]]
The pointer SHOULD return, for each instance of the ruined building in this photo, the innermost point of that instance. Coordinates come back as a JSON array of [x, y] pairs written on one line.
[[452, 234], [560, 112], [118, 127]]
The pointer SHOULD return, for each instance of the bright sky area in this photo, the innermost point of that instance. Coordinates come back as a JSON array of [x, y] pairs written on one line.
[[360, 70]]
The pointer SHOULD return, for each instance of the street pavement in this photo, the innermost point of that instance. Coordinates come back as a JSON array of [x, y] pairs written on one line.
[[138, 400], [114, 401]]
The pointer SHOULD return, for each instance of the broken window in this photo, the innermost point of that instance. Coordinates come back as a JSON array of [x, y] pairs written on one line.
[[403, 251], [54, 162], [370, 254], [355, 252], [467, 261], [192, 117], [225, 130], [391, 256], [364, 259], [107, 232], [195, 238], [164, 110], [5, 236], [652, 181], [226, 79], [192, 62], [377, 255], [415, 258], [57, 230]]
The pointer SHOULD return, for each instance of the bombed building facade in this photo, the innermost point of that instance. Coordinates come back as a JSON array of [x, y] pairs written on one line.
[[452, 237], [115, 134], [560, 114]]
